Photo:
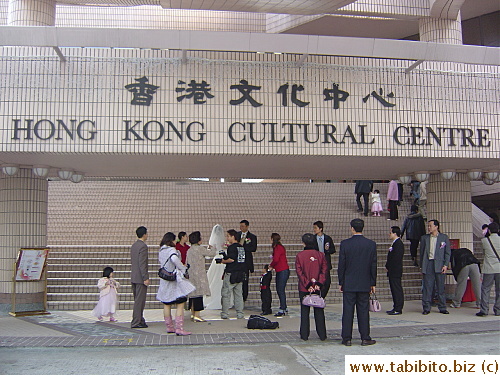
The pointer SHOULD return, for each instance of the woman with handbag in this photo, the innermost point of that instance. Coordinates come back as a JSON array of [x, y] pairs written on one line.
[[311, 268], [173, 292]]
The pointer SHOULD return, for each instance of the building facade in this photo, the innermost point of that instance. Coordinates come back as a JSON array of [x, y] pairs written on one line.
[[191, 93]]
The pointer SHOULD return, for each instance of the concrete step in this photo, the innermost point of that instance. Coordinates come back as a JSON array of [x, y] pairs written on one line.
[[151, 303]]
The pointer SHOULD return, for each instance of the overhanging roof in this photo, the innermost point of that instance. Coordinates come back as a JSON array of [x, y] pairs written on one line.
[[49, 36]]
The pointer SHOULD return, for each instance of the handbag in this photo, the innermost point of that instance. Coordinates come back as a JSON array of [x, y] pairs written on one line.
[[374, 303], [314, 300], [165, 274]]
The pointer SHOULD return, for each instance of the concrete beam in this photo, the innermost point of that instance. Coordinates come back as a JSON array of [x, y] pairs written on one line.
[[60, 54], [48, 36], [413, 66]]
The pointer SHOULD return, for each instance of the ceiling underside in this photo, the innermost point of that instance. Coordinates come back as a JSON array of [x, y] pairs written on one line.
[[323, 17], [300, 7], [245, 166]]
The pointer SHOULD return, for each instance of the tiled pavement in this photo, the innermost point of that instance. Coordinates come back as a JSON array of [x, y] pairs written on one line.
[[79, 329]]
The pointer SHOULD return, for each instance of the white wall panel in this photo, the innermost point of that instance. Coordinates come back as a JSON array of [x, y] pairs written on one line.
[[89, 91]]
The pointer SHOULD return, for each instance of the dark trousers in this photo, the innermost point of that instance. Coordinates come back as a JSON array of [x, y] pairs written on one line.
[[245, 285], [265, 297], [431, 278], [360, 301], [365, 198], [319, 319], [397, 293], [393, 210], [139, 291], [326, 285], [414, 248]]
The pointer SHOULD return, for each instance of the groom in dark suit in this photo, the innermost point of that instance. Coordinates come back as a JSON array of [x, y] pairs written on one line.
[[394, 267], [249, 242], [325, 246], [435, 253], [357, 278]]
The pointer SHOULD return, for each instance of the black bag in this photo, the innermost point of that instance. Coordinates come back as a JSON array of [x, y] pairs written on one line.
[[237, 277], [164, 274], [261, 322]]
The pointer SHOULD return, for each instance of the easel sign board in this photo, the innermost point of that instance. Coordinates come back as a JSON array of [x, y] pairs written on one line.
[[30, 264]]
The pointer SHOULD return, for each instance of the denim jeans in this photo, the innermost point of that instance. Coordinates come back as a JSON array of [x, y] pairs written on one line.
[[281, 280]]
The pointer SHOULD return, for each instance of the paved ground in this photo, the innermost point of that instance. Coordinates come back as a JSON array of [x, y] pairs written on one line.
[[297, 358], [71, 342]]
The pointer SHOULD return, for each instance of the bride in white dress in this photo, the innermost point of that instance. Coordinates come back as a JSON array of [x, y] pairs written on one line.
[[216, 270]]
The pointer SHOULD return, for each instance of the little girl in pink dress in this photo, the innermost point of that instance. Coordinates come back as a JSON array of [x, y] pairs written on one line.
[[376, 203], [108, 297]]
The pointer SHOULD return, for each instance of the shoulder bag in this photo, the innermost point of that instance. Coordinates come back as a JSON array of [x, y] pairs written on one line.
[[491, 244], [165, 274]]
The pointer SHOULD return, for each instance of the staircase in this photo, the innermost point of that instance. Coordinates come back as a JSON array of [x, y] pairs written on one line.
[[107, 213], [74, 271]]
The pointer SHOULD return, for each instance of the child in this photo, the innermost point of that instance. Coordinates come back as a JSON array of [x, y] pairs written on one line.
[[265, 290], [108, 297], [376, 203]]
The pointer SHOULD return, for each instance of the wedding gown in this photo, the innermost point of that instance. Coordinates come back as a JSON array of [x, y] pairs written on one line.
[[215, 271]]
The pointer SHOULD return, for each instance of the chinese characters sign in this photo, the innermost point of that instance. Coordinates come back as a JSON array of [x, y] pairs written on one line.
[[199, 93]]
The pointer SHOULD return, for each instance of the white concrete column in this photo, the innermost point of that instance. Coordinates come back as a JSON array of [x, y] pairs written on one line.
[[31, 13], [440, 30], [23, 223], [449, 202]]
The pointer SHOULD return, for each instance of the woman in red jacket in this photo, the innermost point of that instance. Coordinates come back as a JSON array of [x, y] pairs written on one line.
[[182, 246], [311, 267], [280, 265]]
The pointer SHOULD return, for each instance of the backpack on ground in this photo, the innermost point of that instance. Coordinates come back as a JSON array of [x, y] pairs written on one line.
[[261, 322]]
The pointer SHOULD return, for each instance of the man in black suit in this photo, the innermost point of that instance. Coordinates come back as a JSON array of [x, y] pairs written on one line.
[[249, 242], [394, 267], [363, 189], [357, 273], [325, 246]]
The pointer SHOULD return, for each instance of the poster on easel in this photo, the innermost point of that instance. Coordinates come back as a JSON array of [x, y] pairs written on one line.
[[30, 264]]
